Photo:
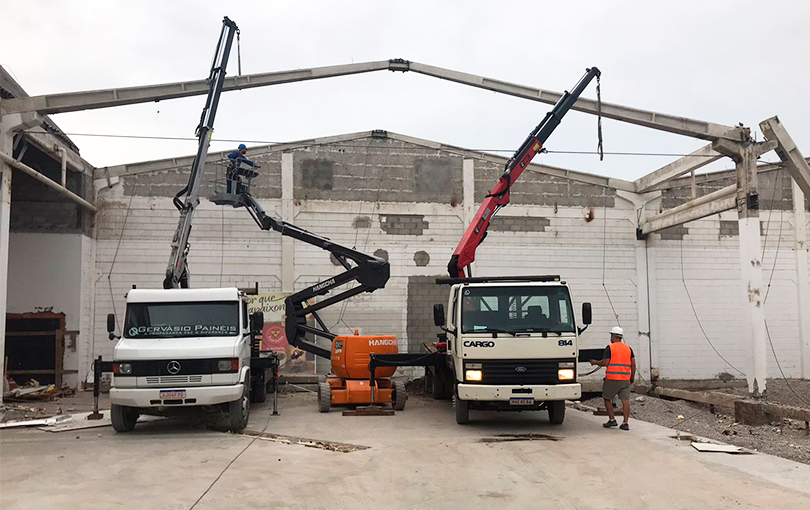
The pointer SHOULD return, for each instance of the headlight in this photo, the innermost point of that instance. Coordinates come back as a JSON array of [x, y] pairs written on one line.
[[565, 374], [124, 368], [473, 375], [228, 365]]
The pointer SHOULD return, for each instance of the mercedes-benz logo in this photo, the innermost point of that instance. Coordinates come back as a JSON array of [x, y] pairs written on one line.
[[173, 367], [520, 369]]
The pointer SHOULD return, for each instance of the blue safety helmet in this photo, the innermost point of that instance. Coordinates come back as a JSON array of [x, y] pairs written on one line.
[[241, 146]]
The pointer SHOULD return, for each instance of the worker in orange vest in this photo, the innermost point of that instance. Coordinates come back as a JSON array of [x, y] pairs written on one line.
[[620, 374]]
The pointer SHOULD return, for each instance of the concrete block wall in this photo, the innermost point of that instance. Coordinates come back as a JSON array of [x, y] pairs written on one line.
[[371, 194]]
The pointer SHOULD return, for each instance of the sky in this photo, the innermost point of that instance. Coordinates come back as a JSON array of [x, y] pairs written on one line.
[[721, 61]]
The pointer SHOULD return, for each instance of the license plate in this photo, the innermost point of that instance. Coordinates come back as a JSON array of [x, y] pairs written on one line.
[[172, 394], [521, 401]]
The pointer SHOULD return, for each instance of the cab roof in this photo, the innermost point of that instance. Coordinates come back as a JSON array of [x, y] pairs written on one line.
[[182, 295]]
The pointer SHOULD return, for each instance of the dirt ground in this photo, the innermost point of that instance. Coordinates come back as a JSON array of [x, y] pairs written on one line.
[[787, 439]]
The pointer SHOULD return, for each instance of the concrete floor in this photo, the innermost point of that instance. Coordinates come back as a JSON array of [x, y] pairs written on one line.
[[417, 459]]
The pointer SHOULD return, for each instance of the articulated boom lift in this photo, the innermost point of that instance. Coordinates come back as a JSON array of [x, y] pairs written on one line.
[[349, 354], [464, 254]]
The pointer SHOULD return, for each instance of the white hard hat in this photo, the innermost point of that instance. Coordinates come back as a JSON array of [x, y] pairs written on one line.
[[617, 331]]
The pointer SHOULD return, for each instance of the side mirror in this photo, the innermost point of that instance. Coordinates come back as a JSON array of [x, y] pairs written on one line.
[[257, 321], [438, 315], [111, 325], [587, 317]]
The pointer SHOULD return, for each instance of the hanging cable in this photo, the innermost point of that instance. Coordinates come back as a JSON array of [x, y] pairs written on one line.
[[777, 183], [694, 311], [599, 147], [604, 261], [239, 51]]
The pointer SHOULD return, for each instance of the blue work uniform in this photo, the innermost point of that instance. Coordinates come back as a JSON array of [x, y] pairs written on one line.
[[236, 159]]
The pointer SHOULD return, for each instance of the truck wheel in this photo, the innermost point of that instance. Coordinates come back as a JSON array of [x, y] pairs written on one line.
[[556, 412], [399, 395], [239, 411], [123, 418], [462, 411], [324, 397], [258, 393], [428, 381]]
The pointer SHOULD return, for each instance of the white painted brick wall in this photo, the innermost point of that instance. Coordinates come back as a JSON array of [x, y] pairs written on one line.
[[226, 242]]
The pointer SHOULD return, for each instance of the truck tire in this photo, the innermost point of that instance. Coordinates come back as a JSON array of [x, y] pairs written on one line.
[[462, 411], [324, 397], [123, 418], [258, 393], [239, 411], [398, 396], [556, 412]]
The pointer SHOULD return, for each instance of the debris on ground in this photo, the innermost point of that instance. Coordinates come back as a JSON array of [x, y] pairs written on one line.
[[697, 419], [32, 390], [712, 447], [417, 387], [54, 420]]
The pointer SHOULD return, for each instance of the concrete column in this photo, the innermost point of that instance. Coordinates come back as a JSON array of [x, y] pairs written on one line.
[[643, 308], [469, 194], [745, 156], [287, 214], [645, 357], [803, 275], [5, 217]]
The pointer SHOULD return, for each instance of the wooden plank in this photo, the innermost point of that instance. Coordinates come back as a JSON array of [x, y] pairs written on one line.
[[704, 397], [29, 333], [370, 410], [26, 372], [791, 412]]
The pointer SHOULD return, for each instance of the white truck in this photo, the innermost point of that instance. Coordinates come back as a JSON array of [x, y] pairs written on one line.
[[511, 345], [185, 348]]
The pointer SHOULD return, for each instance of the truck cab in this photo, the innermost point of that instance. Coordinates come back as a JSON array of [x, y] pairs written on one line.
[[512, 345], [182, 348]]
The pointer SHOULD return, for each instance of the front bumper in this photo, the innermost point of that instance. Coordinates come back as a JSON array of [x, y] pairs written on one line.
[[541, 393], [195, 396]]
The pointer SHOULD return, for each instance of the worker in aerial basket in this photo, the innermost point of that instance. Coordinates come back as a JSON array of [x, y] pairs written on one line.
[[620, 373], [235, 161]]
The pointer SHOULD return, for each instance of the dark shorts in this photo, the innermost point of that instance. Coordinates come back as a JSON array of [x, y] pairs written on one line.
[[611, 388]]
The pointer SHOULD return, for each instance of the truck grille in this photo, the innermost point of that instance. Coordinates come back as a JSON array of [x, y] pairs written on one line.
[[161, 367], [520, 371], [174, 379]]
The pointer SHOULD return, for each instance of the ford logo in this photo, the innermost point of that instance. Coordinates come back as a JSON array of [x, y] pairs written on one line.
[[520, 369]]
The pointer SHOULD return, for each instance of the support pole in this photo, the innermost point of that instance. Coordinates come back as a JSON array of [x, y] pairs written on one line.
[[745, 156], [803, 277], [5, 219], [288, 215]]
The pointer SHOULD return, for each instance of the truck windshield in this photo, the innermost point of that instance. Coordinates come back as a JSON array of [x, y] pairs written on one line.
[[516, 310], [178, 320]]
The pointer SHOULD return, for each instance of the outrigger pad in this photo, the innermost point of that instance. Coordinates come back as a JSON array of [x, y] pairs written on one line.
[[371, 410], [231, 199]]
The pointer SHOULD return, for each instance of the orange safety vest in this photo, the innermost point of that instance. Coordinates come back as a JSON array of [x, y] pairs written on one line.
[[619, 367]]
